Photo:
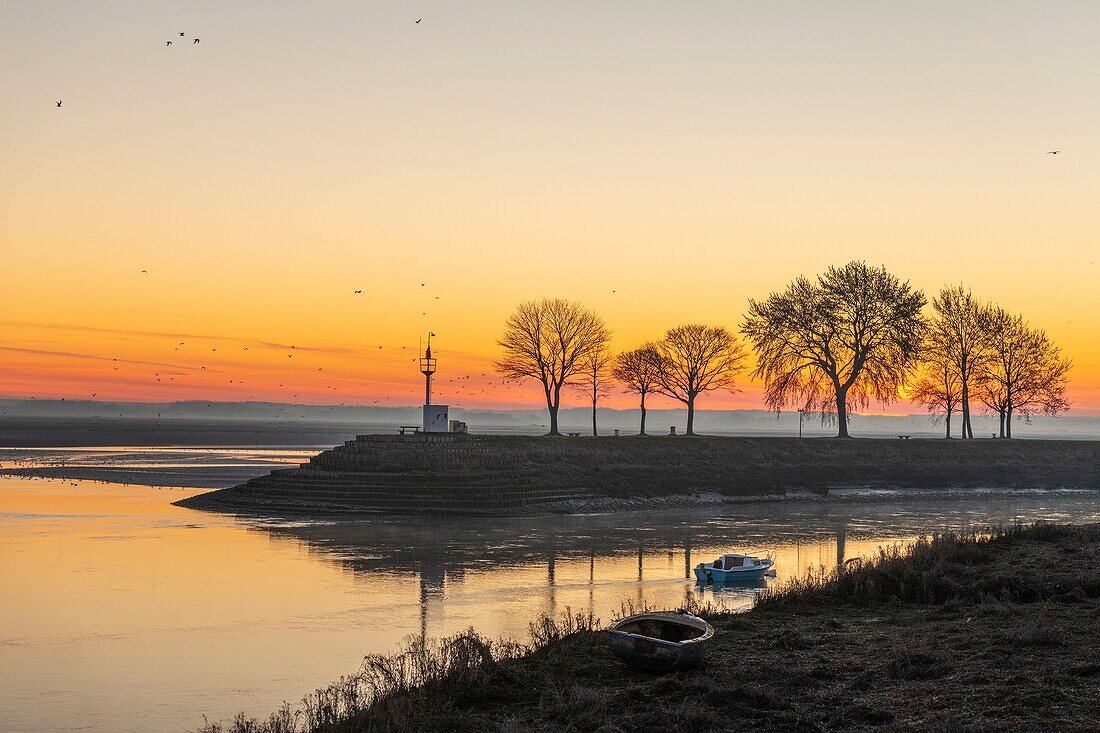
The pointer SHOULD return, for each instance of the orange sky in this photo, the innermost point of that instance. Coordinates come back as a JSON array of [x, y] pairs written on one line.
[[686, 157]]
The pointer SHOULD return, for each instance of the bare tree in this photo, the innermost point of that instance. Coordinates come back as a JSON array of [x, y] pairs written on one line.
[[638, 371], [549, 340], [958, 330], [1024, 373], [851, 336], [939, 388], [694, 359], [594, 379]]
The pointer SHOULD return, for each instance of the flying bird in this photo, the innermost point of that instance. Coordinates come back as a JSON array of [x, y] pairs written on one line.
[[357, 292], [167, 43], [195, 41], [181, 34], [419, 19], [145, 272], [1052, 152], [59, 103]]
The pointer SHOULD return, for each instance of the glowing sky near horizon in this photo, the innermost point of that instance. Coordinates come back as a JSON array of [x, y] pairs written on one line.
[[660, 162]]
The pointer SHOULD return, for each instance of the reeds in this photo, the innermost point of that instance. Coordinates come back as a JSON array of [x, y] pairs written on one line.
[[389, 689]]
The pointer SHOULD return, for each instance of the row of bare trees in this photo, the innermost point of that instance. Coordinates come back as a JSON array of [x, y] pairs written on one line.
[[981, 351], [562, 344], [687, 362], [853, 335]]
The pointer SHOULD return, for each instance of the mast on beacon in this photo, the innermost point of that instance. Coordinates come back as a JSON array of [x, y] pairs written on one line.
[[427, 368]]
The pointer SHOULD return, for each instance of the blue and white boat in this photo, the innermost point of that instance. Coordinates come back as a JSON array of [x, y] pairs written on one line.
[[734, 567]]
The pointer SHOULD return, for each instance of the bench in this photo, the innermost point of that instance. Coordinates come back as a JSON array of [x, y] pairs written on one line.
[[409, 429]]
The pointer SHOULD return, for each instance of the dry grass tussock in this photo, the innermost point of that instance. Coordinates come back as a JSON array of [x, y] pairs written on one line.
[[933, 569], [388, 688]]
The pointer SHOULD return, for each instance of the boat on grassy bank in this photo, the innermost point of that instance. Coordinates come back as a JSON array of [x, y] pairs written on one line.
[[902, 642], [890, 634], [660, 640], [734, 567]]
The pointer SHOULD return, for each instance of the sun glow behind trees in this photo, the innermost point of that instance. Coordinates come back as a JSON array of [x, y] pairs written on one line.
[[855, 335]]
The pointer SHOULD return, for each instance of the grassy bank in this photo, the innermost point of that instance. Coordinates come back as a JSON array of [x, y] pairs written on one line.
[[515, 474], [656, 466], [958, 633]]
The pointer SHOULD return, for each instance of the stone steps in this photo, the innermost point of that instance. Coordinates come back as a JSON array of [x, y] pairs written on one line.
[[434, 474]]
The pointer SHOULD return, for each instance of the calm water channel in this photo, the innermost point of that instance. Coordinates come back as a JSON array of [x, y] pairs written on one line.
[[120, 612]]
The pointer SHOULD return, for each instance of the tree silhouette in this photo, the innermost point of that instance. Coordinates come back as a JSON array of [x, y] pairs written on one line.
[[593, 379], [549, 340], [959, 331], [638, 371], [851, 336], [939, 388], [694, 359], [1024, 373]]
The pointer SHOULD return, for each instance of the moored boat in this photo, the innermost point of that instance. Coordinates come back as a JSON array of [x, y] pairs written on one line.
[[734, 567], [660, 640]]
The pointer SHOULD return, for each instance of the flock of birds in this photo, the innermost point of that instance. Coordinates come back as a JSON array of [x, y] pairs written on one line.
[[196, 40], [462, 385], [183, 35]]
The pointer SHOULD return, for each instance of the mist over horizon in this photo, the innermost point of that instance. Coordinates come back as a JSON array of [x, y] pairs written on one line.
[[376, 419]]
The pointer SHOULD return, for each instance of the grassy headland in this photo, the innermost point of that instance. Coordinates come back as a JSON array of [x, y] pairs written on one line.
[[957, 633], [514, 474]]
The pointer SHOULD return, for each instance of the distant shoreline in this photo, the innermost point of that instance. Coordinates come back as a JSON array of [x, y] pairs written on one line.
[[184, 424]]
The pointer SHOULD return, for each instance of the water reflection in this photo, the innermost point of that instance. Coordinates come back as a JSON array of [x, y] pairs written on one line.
[[641, 558], [119, 611]]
